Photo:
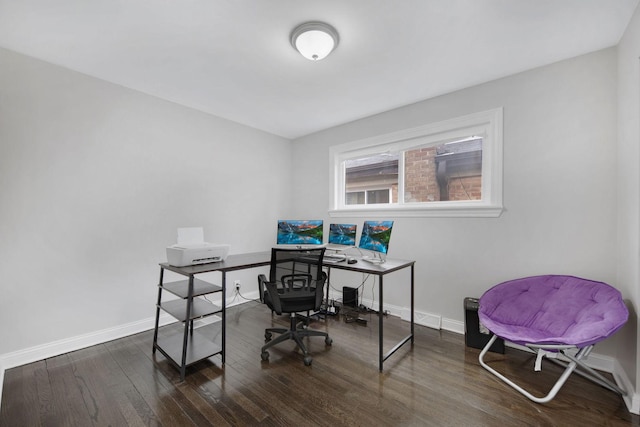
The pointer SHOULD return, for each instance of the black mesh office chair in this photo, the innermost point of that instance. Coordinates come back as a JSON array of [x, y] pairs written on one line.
[[296, 284]]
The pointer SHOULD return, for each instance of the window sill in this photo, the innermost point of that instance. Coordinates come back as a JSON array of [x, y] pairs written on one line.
[[442, 210]]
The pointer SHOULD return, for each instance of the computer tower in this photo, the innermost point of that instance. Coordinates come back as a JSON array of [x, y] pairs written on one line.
[[349, 296], [473, 335]]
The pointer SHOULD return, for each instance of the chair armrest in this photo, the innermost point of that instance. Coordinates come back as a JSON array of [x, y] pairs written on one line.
[[296, 281], [261, 288], [274, 297], [320, 294]]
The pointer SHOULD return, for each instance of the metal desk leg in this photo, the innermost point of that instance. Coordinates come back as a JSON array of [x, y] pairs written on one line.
[[326, 305], [380, 326], [224, 315], [406, 339], [412, 304], [155, 330], [187, 324]]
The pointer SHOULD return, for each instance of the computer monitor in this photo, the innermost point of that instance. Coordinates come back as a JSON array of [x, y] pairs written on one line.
[[376, 235], [300, 232], [342, 234]]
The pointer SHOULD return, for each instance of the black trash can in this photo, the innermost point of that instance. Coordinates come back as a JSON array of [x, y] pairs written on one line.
[[474, 335]]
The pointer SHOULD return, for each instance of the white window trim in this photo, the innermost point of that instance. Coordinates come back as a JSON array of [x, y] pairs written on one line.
[[487, 124]]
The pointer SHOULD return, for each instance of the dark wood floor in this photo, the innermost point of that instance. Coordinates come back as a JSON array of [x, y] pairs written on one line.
[[437, 382]]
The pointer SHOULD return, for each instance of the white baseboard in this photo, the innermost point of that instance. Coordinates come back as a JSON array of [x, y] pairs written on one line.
[[453, 326], [56, 348], [632, 398], [434, 321], [420, 318]]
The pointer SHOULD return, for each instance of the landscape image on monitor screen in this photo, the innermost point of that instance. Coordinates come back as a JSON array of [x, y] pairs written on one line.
[[376, 235], [342, 234], [300, 232]]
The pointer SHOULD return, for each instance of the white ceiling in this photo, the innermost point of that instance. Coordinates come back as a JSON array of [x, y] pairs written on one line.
[[233, 59]]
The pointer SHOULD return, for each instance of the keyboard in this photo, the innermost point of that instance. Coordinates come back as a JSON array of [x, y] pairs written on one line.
[[334, 258]]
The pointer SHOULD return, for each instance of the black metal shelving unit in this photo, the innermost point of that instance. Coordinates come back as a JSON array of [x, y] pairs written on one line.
[[192, 345]]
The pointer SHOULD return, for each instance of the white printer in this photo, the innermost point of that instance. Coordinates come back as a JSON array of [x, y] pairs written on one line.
[[191, 249]]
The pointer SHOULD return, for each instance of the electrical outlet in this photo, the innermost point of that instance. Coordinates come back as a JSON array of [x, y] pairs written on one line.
[[237, 284]]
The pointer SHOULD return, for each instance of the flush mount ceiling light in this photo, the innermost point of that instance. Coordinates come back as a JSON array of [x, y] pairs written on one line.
[[314, 40]]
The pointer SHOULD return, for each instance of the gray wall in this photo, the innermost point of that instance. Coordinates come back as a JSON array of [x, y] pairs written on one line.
[[94, 181], [559, 186], [629, 190]]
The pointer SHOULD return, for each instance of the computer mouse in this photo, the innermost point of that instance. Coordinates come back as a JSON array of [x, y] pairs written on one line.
[[351, 260]]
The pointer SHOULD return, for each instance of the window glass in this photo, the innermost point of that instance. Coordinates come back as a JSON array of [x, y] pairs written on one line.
[[377, 196], [451, 171], [355, 198], [450, 168]]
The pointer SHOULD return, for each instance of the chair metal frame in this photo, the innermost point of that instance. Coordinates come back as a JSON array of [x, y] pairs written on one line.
[[572, 365], [297, 330]]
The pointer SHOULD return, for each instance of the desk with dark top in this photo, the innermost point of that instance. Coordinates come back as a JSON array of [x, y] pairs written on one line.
[[261, 259]]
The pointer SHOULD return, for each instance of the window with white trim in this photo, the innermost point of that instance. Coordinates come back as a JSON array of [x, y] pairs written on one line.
[[449, 168]]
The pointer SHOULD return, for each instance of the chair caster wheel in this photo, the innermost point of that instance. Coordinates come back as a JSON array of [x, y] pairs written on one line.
[[267, 336], [307, 361], [328, 341], [264, 356]]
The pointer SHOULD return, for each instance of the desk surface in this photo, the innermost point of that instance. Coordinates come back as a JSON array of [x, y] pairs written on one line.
[[389, 266], [231, 263], [260, 259]]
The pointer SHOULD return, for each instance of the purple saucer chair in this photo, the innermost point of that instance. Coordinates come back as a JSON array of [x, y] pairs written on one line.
[[551, 316]]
